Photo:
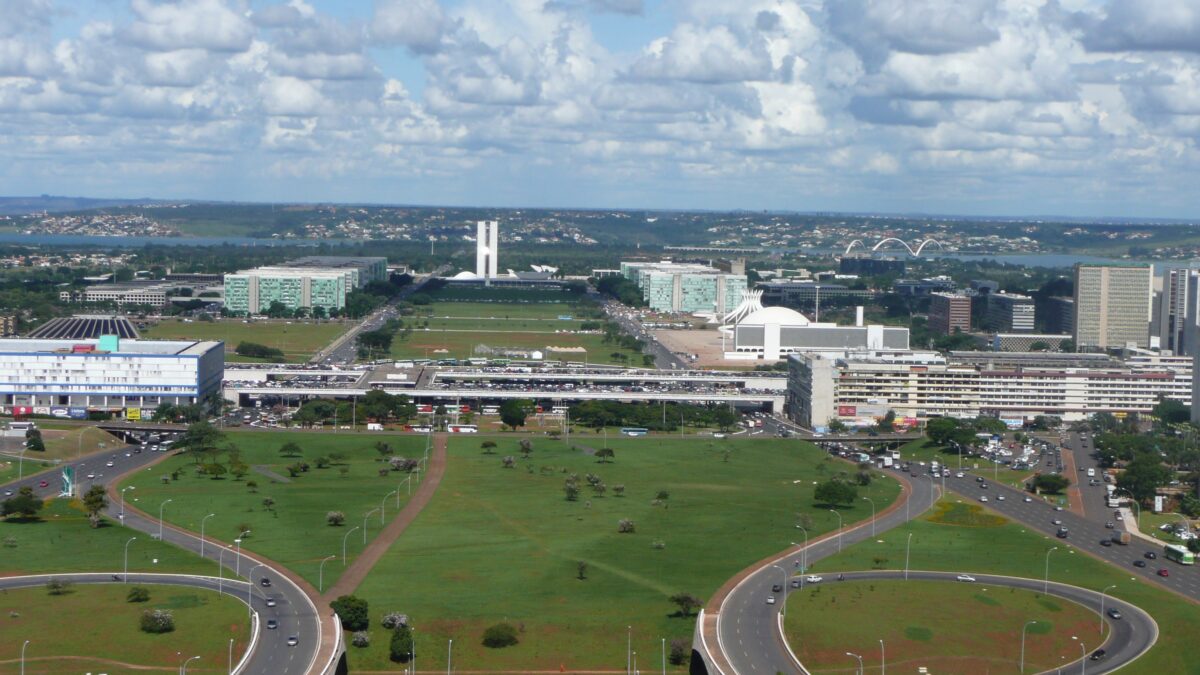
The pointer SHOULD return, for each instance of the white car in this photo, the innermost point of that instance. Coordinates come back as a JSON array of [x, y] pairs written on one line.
[[813, 579], [1028, 499], [983, 498], [965, 577], [770, 599], [958, 475], [999, 498]]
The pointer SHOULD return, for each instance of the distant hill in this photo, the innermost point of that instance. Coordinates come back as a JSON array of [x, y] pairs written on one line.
[[17, 206]]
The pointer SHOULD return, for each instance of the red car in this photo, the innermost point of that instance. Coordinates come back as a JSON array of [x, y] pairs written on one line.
[[1164, 573], [43, 484]]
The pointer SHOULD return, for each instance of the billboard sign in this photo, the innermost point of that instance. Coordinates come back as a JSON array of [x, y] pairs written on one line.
[[77, 413], [847, 411], [133, 414], [1158, 503], [59, 412], [38, 410], [19, 410]]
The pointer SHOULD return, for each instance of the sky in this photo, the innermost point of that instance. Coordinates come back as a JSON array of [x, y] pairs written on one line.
[[976, 107]]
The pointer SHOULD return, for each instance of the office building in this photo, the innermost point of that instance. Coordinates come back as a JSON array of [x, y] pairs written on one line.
[[949, 313], [686, 287], [487, 248], [868, 266], [8, 325], [808, 295], [1010, 313], [68, 378], [151, 293], [1112, 306], [772, 333], [1028, 342], [859, 387], [1169, 310], [1060, 315], [311, 282], [923, 287]]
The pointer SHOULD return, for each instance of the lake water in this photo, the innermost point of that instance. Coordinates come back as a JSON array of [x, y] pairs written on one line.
[[91, 240]]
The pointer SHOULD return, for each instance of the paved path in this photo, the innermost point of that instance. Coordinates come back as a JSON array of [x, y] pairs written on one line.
[[260, 469], [362, 565]]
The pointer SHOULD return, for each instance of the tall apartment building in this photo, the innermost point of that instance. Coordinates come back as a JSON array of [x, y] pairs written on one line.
[[949, 313], [1060, 315], [487, 248], [1170, 308], [686, 287], [315, 281], [1010, 313], [1112, 305], [8, 325]]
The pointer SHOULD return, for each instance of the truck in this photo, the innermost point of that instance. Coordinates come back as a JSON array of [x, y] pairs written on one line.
[[1112, 502], [888, 461], [1122, 538]]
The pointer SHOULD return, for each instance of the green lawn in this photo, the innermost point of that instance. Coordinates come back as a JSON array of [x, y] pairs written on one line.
[[62, 541], [1151, 521], [960, 544], [298, 339], [501, 544], [945, 626], [204, 624], [66, 442], [293, 531]]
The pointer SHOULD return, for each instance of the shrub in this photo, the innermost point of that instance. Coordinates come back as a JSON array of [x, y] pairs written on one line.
[[401, 647], [58, 587], [322, 462], [500, 635], [353, 611], [157, 621], [361, 639], [508, 462], [138, 594], [626, 526], [680, 652], [335, 518], [393, 620]]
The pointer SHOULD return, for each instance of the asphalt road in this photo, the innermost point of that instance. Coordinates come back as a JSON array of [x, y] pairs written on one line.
[[663, 358], [294, 612]]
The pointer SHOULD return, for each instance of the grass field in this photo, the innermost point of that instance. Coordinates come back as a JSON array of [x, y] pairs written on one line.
[[293, 531], [1150, 523], [62, 541], [298, 339], [959, 544], [204, 624], [945, 626], [501, 544], [66, 442]]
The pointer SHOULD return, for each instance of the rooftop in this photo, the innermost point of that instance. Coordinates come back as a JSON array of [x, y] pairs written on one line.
[[162, 347]]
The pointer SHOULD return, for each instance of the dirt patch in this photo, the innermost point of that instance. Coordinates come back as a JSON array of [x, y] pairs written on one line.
[[965, 515]]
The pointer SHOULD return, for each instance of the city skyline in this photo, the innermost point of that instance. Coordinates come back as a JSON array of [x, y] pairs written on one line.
[[1077, 108]]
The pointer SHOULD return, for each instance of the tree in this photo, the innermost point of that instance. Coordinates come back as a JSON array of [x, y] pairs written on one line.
[[1050, 483], [268, 503], [526, 446], [383, 449], [1039, 346], [335, 518], [200, 439], [680, 652], [571, 489], [605, 455], [255, 350], [836, 426], [353, 611], [401, 647], [508, 462], [24, 504], [887, 423], [581, 568], [489, 447], [686, 602], [500, 635], [514, 411], [1170, 411], [290, 449], [157, 621], [33, 440], [1144, 475], [626, 526], [834, 492], [361, 639], [725, 418], [1066, 346], [95, 500], [138, 594], [58, 587]]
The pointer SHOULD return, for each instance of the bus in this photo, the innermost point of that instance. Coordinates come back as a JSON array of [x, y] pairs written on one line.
[[634, 431], [1179, 554], [462, 429]]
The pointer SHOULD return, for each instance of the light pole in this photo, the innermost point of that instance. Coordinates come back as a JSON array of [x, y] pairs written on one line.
[[250, 589], [868, 499], [230, 656], [907, 548], [1102, 596], [664, 656], [628, 650], [321, 573], [128, 487], [160, 518], [126, 577], [183, 671], [783, 609], [932, 487], [449, 655], [364, 527], [220, 568], [860, 663], [344, 544], [1027, 625], [1046, 582], [803, 551], [23, 656], [839, 528], [882, 659], [1082, 656], [381, 510], [202, 532], [237, 563]]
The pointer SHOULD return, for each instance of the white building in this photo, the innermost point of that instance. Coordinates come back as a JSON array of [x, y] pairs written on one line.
[[772, 333], [487, 248], [70, 377]]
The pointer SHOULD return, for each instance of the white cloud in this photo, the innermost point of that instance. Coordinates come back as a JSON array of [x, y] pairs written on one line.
[[416, 24], [206, 24], [1147, 25]]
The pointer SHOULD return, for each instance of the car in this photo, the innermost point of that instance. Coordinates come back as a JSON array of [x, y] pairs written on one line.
[[999, 498], [8, 493], [1114, 613], [983, 498], [271, 602], [293, 640], [1106, 542], [777, 587], [272, 624], [1120, 517], [1109, 525], [1098, 655], [1056, 521], [265, 582], [1150, 555], [770, 599], [1058, 508], [1028, 499], [913, 474], [958, 475], [795, 583], [109, 464], [813, 579], [1139, 563], [965, 577], [91, 476], [43, 484], [979, 479], [983, 486], [1162, 572]]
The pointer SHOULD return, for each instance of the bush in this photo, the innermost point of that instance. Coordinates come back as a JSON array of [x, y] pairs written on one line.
[[256, 350], [353, 612], [157, 621], [626, 526], [335, 518], [361, 639], [401, 648], [138, 594], [680, 652], [58, 587], [500, 635], [393, 620]]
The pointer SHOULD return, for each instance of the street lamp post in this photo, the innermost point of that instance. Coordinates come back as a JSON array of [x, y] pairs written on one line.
[[664, 656], [126, 577], [23, 656], [449, 655], [160, 518], [1027, 625], [907, 548], [381, 509], [1082, 656], [237, 563], [783, 609], [220, 568], [364, 527], [202, 532], [628, 650], [344, 544], [1102, 596], [230, 656], [321, 573], [860, 662], [882, 659], [250, 589], [127, 487], [803, 551], [183, 671], [834, 512], [868, 499], [1046, 581]]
